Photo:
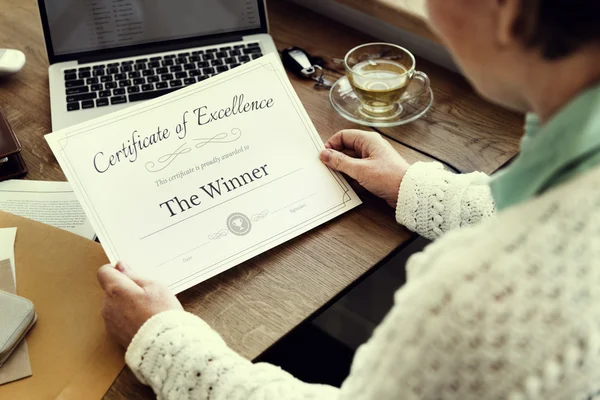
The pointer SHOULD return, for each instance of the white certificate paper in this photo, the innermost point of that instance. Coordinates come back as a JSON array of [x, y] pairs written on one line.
[[191, 184]]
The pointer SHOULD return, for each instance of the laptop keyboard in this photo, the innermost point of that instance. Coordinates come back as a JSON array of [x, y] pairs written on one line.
[[147, 78]]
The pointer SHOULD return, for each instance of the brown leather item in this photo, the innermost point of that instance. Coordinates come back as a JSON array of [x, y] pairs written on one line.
[[12, 164]]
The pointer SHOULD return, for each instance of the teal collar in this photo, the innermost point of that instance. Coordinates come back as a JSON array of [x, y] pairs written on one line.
[[568, 144]]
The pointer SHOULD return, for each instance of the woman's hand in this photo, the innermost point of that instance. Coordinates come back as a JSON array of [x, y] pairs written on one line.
[[369, 159], [130, 301]]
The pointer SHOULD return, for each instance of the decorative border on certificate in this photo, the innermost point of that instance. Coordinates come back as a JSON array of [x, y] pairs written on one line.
[[167, 159]]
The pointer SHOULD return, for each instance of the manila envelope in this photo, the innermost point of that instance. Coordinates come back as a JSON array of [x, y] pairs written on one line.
[[71, 355], [18, 365]]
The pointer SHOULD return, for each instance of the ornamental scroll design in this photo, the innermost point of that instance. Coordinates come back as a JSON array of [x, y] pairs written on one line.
[[164, 161]]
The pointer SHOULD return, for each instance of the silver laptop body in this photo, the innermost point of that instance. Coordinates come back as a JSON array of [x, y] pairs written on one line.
[[108, 54]]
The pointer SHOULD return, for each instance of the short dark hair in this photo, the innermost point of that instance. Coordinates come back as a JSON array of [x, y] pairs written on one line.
[[558, 27]]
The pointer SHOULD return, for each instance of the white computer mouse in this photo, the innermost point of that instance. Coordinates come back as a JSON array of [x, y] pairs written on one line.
[[11, 61]]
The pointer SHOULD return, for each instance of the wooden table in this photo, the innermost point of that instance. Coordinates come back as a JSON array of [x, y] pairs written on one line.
[[258, 302]]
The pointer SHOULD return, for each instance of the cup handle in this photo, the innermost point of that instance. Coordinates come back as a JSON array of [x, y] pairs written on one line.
[[420, 84]]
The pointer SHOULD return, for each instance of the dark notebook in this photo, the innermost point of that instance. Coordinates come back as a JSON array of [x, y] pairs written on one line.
[[12, 164]]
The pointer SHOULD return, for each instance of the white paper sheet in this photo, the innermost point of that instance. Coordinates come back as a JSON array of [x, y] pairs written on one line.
[[52, 203], [7, 246], [188, 185]]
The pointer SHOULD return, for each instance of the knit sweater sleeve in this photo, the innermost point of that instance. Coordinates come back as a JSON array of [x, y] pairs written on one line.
[[181, 357], [433, 201]]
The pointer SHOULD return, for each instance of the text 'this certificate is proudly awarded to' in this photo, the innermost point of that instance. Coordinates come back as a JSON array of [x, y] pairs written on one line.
[[188, 185]]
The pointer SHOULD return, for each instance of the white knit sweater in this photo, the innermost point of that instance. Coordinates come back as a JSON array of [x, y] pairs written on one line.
[[506, 308]]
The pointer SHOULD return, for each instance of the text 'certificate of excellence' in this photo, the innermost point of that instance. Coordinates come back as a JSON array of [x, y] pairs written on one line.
[[193, 183]]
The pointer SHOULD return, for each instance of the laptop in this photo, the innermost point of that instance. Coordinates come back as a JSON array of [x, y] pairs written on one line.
[[106, 55]]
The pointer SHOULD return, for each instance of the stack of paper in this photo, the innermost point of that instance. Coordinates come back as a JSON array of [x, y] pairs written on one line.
[[18, 365]]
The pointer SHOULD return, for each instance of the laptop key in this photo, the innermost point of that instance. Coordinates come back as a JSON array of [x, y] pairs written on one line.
[[80, 97], [153, 79], [214, 63], [77, 82], [125, 83], [153, 64], [235, 53], [153, 59], [148, 72], [222, 68], [190, 66], [110, 85], [176, 83], [256, 44], [166, 77], [101, 102], [106, 78], [127, 62], [189, 81], [203, 64], [70, 71], [167, 57], [163, 70], [141, 60], [104, 93], [209, 56], [167, 63], [234, 65], [176, 68], [208, 71], [244, 59], [183, 54], [194, 59], [182, 60], [147, 87], [197, 52], [73, 106], [120, 77], [112, 65], [91, 81], [84, 69], [133, 89], [202, 78], [230, 60], [150, 95], [221, 54], [87, 104], [126, 68], [211, 51], [251, 50], [77, 90], [140, 67], [181, 75], [118, 92], [225, 48], [139, 81], [239, 46], [118, 100], [70, 77], [194, 73], [134, 74], [112, 70], [96, 87], [162, 85], [256, 55], [99, 72], [84, 74]]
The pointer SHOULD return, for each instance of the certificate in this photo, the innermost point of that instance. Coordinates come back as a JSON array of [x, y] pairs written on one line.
[[193, 183]]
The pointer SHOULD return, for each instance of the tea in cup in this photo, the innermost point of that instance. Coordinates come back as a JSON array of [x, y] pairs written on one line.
[[383, 76]]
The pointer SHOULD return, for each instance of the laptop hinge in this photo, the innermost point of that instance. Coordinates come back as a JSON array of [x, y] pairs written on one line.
[[156, 48]]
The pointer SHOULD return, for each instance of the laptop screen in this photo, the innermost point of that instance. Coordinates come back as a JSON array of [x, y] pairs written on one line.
[[80, 26]]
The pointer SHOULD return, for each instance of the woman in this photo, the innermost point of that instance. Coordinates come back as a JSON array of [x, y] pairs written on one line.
[[507, 305]]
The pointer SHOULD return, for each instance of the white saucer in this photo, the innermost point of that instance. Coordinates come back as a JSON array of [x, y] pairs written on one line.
[[344, 101]]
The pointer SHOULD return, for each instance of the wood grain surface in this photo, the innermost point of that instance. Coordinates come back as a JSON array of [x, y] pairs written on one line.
[[255, 304]]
